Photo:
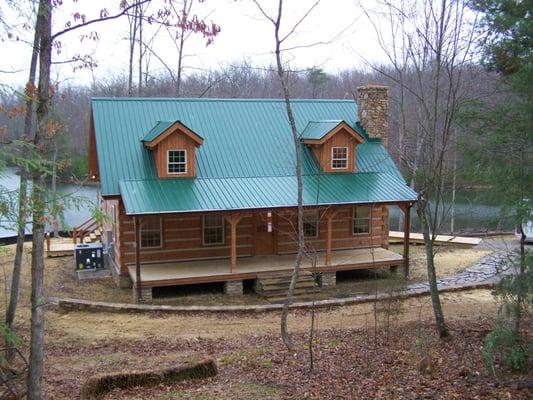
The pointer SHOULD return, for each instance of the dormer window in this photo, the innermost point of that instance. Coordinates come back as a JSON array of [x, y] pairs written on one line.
[[177, 161], [173, 146], [333, 144], [339, 157]]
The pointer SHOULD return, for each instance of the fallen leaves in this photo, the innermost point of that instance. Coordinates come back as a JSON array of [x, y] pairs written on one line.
[[350, 364]]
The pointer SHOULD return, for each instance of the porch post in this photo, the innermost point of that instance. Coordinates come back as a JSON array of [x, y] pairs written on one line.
[[233, 221], [328, 239], [137, 226], [406, 208], [329, 235]]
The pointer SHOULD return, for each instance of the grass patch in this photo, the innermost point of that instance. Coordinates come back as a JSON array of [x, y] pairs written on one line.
[[241, 390], [231, 358], [332, 343], [266, 363]]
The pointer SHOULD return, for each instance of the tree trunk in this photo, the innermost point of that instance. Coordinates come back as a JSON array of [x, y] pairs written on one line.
[[454, 183], [140, 14], [298, 171], [55, 221], [520, 278], [184, 13], [23, 193], [133, 35], [430, 263], [36, 359]]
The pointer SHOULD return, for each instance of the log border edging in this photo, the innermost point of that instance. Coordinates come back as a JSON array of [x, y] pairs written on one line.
[[97, 386], [70, 304]]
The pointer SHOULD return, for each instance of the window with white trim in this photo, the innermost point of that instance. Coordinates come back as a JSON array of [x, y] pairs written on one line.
[[177, 161], [339, 157], [361, 220], [213, 229], [150, 232], [311, 223]]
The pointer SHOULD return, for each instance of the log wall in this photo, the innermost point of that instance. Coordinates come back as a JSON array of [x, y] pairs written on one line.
[[182, 236]]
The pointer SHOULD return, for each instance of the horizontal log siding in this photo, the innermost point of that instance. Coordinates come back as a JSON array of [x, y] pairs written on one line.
[[343, 237], [182, 240]]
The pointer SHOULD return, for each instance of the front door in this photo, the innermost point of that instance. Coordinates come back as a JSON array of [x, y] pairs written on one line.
[[264, 233]]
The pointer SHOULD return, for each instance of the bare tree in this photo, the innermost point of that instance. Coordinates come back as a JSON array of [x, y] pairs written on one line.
[[43, 28], [279, 39], [430, 48], [43, 134], [23, 189]]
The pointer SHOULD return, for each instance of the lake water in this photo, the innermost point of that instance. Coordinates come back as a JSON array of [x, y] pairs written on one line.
[[471, 214], [85, 198]]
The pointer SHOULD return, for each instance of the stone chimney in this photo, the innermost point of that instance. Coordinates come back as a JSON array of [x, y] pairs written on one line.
[[373, 111]]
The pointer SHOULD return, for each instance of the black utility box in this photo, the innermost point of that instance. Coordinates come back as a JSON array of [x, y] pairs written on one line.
[[89, 256]]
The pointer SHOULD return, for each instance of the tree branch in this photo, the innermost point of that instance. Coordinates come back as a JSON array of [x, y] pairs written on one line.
[[102, 19]]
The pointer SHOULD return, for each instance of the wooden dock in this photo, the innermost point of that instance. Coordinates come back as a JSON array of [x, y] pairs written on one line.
[[418, 238]]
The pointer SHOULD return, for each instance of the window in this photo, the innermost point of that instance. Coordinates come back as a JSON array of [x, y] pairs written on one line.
[[339, 157], [361, 220], [213, 229], [177, 161], [311, 223], [150, 232]]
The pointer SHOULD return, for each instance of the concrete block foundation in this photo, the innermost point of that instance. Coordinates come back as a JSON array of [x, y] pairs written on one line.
[[328, 279], [146, 294], [233, 287]]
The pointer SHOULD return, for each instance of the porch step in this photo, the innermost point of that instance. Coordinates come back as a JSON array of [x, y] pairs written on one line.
[[276, 284]]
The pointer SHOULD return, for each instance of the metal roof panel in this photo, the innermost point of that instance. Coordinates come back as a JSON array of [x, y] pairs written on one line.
[[153, 196]]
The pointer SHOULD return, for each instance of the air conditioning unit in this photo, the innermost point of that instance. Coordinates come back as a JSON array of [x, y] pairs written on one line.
[[89, 256]]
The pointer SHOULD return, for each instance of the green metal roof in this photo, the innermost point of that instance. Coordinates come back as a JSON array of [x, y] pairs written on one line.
[[242, 139], [158, 129], [152, 196], [316, 130]]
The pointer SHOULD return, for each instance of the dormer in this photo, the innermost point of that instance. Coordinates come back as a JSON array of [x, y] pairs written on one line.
[[333, 144], [173, 146]]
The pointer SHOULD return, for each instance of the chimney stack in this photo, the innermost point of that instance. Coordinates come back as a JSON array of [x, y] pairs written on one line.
[[373, 111]]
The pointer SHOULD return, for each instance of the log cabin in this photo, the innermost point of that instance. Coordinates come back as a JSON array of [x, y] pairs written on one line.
[[204, 190]]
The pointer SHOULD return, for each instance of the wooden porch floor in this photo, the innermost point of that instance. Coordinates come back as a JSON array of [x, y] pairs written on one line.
[[182, 273]]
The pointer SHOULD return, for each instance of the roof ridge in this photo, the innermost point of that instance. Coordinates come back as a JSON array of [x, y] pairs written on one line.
[[269, 100]]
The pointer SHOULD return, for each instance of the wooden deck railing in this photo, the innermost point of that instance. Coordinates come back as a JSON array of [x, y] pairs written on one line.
[[84, 229]]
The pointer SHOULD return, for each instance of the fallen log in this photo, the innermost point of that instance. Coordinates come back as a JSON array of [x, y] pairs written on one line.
[[98, 386]]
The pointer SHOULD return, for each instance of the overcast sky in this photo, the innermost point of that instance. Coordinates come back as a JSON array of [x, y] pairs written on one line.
[[245, 35]]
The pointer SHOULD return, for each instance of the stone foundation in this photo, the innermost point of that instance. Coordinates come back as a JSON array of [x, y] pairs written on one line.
[[328, 279], [146, 294], [233, 287]]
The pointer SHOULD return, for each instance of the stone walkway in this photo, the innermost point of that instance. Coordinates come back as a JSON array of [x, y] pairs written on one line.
[[490, 269]]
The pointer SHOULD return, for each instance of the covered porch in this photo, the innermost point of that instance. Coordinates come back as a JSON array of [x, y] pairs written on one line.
[[334, 227], [220, 270]]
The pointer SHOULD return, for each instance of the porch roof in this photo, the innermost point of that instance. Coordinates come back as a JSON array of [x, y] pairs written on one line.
[[153, 196]]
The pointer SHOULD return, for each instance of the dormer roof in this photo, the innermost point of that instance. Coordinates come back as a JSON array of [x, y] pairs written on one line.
[[162, 129], [317, 132]]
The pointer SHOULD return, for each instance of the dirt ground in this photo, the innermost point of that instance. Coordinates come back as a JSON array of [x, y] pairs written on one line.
[[357, 356], [360, 351]]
